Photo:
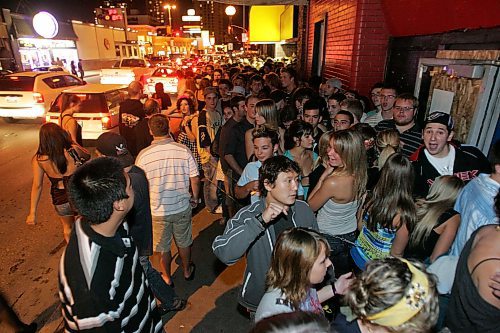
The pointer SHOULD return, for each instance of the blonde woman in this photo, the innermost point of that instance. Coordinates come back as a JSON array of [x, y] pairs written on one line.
[[387, 143], [437, 220], [321, 162], [338, 194], [266, 114], [391, 296], [299, 263]]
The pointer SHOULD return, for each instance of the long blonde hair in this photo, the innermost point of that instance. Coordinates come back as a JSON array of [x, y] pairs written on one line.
[[350, 147], [387, 143], [323, 143], [442, 196]]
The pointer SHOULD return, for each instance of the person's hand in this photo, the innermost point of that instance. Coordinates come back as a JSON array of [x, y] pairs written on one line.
[[273, 210], [31, 219], [494, 284], [344, 283]]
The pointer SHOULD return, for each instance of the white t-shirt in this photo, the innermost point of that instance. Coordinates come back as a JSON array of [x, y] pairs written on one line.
[[443, 165]]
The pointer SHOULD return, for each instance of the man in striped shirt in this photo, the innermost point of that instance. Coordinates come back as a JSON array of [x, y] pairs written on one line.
[[102, 286], [404, 111], [171, 169]]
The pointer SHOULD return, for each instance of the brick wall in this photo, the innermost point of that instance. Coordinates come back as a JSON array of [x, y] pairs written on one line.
[[356, 41]]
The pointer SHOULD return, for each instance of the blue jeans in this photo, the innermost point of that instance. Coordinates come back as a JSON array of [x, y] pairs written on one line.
[[210, 184], [159, 287], [340, 252]]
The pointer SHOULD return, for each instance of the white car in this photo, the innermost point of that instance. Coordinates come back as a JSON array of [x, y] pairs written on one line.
[[28, 95], [99, 110], [165, 75]]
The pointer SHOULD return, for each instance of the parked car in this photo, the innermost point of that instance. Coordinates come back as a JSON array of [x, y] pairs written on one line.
[[127, 70], [52, 68], [99, 110], [165, 75], [28, 95]]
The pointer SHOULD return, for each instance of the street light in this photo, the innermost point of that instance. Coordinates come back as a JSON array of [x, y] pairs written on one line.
[[169, 7], [230, 11]]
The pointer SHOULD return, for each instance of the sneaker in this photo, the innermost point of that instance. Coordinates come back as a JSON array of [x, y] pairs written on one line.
[[218, 210], [179, 304]]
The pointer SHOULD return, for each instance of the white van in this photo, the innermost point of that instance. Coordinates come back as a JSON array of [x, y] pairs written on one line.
[[28, 95], [99, 111]]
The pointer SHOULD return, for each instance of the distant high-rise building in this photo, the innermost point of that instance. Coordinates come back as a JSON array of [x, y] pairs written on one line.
[[212, 18], [155, 9]]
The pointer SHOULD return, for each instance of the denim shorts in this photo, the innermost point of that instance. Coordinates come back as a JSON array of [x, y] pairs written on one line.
[[64, 209], [177, 225]]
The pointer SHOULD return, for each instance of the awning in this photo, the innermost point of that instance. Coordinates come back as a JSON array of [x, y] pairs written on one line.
[[263, 2], [24, 28]]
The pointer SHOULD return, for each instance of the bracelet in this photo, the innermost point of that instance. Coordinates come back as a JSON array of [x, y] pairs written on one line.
[[261, 220]]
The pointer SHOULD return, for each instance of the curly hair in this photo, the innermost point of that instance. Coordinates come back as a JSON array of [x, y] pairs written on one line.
[[293, 258], [382, 285]]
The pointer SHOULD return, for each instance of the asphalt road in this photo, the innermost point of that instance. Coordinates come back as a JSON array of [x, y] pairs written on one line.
[[29, 255]]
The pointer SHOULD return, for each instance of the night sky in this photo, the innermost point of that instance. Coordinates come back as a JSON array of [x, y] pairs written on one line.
[[81, 9]]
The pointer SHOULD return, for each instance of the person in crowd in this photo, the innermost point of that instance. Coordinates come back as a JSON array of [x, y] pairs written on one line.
[[321, 162], [265, 114], [238, 91], [101, 192], [355, 107], [312, 114], [475, 202], [254, 229], [331, 86], [225, 87], [162, 97], [190, 94], [289, 80], [217, 76], [375, 99], [171, 170], [265, 142], [272, 82], [299, 98], [404, 112], [343, 120], [73, 68], [200, 93], [391, 296], [293, 322], [299, 144], [68, 122], [58, 158], [386, 143], [474, 304], [9, 319], [299, 263], [287, 116], [80, 69], [130, 113], [387, 96], [388, 214], [438, 157], [240, 80], [186, 107], [205, 126], [143, 137], [256, 85], [333, 102], [234, 160], [338, 194], [437, 221], [139, 218]]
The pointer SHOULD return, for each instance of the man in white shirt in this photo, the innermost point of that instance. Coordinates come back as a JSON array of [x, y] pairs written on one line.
[[387, 98]]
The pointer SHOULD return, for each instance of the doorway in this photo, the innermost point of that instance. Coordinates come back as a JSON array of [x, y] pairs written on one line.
[[318, 48]]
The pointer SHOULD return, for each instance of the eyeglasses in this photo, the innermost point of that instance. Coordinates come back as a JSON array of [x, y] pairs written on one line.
[[387, 96], [405, 109], [375, 95]]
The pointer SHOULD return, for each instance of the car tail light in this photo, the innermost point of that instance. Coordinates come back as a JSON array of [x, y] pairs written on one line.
[[106, 122], [38, 97]]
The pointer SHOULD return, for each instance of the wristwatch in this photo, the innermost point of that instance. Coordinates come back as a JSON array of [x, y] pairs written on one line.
[[261, 220]]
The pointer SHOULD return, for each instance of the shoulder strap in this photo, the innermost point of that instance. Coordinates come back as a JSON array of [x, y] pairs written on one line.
[[479, 263]]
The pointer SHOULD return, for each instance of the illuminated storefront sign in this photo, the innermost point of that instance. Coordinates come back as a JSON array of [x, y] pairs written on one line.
[[45, 25], [46, 43]]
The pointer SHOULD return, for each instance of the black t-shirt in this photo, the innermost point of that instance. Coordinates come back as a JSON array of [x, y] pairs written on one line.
[[236, 144], [282, 223], [128, 124], [314, 176], [226, 136], [341, 325]]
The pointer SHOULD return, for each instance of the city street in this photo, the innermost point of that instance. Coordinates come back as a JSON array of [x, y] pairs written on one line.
[[30, 254]]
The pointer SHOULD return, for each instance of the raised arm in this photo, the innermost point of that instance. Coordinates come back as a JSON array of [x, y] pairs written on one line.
[[401, 239]]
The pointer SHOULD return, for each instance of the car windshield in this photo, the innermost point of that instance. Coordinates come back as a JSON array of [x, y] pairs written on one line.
[[17, 83], [133, 63], [91, 103], [164, 71]]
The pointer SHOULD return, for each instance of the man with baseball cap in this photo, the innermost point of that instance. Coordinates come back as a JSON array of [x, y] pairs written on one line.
[[139, 218], [438, 157]]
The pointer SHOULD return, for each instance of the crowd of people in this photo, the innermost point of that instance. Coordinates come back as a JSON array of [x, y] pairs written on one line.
[[336, 200]]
